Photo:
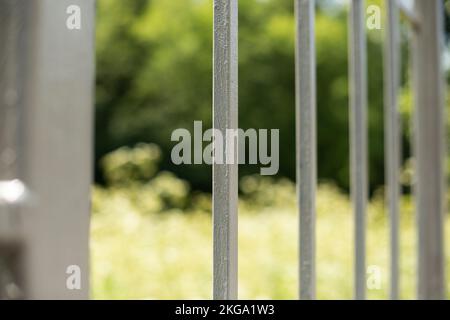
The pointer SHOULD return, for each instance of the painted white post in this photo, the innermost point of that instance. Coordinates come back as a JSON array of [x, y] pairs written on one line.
[[392, 135], [57, 150], [358, 137], [306, 142], [225, 176], [429, 136]]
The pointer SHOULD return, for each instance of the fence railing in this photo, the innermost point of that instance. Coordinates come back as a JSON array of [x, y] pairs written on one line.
[[57, 141], [429, 152]]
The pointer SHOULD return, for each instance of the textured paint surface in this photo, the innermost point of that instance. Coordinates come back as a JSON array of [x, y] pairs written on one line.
[[306, 143], [225, 176]]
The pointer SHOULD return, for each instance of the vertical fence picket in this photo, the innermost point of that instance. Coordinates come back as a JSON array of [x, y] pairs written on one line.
[[225, 176], [306, 142], [392, 141], [358, 136], [429, 132], [57, 85]]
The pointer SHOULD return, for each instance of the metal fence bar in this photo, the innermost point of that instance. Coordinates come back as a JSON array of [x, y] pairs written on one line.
[[225, 176], [392, 142], [358, 137], [429, 139], [306, 142]]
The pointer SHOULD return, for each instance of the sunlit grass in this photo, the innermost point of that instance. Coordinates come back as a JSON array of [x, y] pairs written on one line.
[[168, 255]]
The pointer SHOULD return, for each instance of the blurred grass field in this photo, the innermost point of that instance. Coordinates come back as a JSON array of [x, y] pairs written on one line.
[[147, 244]]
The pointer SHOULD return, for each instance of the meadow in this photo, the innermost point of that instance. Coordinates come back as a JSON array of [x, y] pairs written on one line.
[[153, 240]]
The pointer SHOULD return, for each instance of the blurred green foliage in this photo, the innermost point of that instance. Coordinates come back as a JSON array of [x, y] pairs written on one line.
[[154, 74], [127, 165], [133, 169]]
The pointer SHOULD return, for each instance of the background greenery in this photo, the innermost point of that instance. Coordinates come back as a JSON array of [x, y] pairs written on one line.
[[154, 74], [151, 224]]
